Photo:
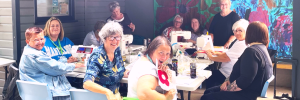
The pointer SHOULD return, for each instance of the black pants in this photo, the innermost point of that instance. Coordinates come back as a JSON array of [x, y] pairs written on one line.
[[214, 93], [217, 78]]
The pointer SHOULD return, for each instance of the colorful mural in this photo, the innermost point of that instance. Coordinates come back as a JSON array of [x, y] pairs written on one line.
[[276, 14]]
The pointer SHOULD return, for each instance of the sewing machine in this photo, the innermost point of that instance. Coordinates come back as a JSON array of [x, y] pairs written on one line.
[[124, 44], [185, 34], [82, 53], [204, 42]]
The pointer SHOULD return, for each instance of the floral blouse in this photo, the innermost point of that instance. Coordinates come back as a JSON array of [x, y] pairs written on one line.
[[104, 72]]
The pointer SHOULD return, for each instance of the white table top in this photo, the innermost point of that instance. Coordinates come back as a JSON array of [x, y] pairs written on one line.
[[187, 87], [6, 62]]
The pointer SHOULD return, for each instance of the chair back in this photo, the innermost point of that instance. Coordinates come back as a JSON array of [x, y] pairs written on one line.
[[81, 94], [33, 90], [265, 88]]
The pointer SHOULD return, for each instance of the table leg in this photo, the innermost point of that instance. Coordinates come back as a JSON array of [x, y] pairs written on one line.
[[5, 68], [181, 95], [189, 95]]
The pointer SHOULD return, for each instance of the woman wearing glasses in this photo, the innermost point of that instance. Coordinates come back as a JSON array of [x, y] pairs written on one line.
[[105, 67], [177, 22]]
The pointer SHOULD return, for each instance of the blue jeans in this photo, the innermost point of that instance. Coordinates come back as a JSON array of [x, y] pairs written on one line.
[[62, 98]]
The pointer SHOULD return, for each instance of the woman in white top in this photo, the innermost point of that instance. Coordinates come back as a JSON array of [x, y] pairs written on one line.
[[143, 78], [92, 38], [229, 57]]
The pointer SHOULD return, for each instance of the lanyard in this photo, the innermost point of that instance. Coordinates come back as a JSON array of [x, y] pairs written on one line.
[[150, 59], [59, 48]]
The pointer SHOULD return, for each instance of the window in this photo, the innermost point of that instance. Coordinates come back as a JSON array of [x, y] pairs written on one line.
[[62, 9]]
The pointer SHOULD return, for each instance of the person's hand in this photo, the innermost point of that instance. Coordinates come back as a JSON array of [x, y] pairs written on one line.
[[132, 26], [226, 46], [78, 65], [71, 59], [110, 95], [170, 94], [223, 87]]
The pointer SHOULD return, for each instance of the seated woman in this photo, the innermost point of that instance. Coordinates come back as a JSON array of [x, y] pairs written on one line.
[[229, 57], [105, 67], [197, 31], [177, 22], [37, 66], [121, 18], [143, 78], [57, 46], [92, 38], [250, 72]]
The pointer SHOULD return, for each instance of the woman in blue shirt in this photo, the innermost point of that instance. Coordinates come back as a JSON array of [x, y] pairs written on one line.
[[57, 46], [105, 67]]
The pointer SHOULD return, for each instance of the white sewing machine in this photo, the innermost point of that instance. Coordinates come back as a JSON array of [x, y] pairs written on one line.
[[126, 40], [204, 42], [82, 53], [185, 34]]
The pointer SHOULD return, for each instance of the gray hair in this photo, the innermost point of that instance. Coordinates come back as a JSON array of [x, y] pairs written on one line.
[[178, 16], [229, 1], [156, 42], [110, 28], [242, 23], [113, 5]]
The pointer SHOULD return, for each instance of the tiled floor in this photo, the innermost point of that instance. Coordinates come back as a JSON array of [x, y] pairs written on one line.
[[196, 95]]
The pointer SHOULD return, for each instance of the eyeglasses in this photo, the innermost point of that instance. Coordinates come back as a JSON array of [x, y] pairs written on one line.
[[111, 38], [237, 31]]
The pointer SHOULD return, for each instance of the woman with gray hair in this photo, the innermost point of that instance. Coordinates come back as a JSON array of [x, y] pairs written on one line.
[[143, 77], [122, 18], [229, 57], [177, 22], [105, 67]]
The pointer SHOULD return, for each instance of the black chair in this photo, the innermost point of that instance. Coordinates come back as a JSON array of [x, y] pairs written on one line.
[[10, 90]]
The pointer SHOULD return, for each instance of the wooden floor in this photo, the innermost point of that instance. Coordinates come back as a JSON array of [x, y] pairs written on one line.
[[196, 95]]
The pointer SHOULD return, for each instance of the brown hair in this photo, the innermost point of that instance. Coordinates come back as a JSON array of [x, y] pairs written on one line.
[[31, 31], [47, 28], [156, 42], [257, 32], [98, 26]]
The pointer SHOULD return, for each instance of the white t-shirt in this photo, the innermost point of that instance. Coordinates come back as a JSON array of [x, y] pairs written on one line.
[[140, 68], [233, 53]]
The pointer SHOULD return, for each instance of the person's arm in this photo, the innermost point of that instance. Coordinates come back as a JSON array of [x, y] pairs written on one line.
[[89, 78], [248, 69], [50, 66], [146, 89], [231, 38], [221, 57], [190, 40]]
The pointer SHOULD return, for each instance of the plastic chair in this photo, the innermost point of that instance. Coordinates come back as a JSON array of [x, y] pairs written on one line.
[[265, 88], [81, 94], [33, 90]]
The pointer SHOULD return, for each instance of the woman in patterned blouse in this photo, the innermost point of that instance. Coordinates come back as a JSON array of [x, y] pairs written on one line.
[[105, 66]]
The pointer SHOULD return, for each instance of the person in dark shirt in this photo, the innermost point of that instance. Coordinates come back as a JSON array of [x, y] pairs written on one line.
[[220, 27], [250, 72], [122, 18]]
